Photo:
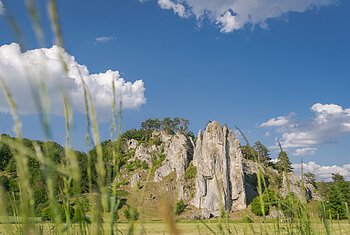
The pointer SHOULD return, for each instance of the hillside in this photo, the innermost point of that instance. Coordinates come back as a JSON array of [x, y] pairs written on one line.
[[206, 175]]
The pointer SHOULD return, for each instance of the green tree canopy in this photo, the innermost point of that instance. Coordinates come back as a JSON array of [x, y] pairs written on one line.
[[258, 152], [283, 163], [310, 178], [338, 198]]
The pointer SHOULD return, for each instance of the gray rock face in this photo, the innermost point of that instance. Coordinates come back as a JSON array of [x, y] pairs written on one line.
[[135, 179], [178, 151], [132, 144], [292, 184], [220, 179], [144, 153]]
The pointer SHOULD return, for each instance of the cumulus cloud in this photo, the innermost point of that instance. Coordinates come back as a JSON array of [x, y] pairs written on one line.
[[23, 72], [278, 121], [231, 15], [329, 123], [178, 8], [103, 39], [304, 151], [323, 173], [2, 8]]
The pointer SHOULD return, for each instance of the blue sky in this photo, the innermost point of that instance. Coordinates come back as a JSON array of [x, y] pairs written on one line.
[[242, 74]]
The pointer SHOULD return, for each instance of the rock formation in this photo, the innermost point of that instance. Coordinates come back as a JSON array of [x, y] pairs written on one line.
[[178, 151], [293, 185], [220, 179]]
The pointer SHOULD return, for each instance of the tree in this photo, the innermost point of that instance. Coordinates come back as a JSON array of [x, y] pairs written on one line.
[[323, 189], [248, 152], [283, 163], [339, 196], [258, 152], [262, 151], [310, 178], [151, 125], [181, 124], [337, 177], [5, 155]]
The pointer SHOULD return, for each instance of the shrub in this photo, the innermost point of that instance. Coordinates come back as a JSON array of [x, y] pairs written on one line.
[[131, 214], [156, 141], [4, 182], [290, 205], [180, 207], [139, 135], [137, 164], [46, 214], [190, 172], [269, 199], [257, 209], [157, 161], [122, 183], [122, 193], [247, 219]]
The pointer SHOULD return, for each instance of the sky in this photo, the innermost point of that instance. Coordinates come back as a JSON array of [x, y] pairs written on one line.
[[279, 70]]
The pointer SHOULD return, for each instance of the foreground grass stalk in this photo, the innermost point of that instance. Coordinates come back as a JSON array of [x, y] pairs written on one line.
[[26, 193], [54, 205]]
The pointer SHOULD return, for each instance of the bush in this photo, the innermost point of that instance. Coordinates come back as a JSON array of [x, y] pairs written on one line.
[[122, 193], [157, 161], [180, 207], [131, 214], [137, 164], [46, 214], [190, 172], [256, 206], [4, 182], [247, 219], [156, 141], [269, 199], [290, 205], [139, 135]]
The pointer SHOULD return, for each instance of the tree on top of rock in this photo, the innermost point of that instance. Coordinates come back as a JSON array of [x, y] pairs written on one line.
[[262, 151], [283, 163], [151, 124], [258, 152], [169, 125]]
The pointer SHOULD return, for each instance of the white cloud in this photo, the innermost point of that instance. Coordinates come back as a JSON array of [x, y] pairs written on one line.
[[2, 8], [277, 122], [103, 39], [227, 22], [178, 8], [231, 15], [329, 123], [304, 151], [19, 70], [323, 173]]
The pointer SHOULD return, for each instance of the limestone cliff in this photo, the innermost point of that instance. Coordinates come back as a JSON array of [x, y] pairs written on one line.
[[178, 151], [220, 179]]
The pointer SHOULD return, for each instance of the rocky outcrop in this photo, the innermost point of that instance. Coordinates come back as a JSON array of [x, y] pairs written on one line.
[[144, 152], [220, 179], [293, 184], [135, 180], [178, 151]]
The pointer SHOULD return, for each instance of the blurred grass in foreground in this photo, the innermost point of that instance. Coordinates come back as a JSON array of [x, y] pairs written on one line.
[[97, 215]]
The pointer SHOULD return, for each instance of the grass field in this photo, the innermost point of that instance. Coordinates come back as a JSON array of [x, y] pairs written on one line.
[[198, 227]]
